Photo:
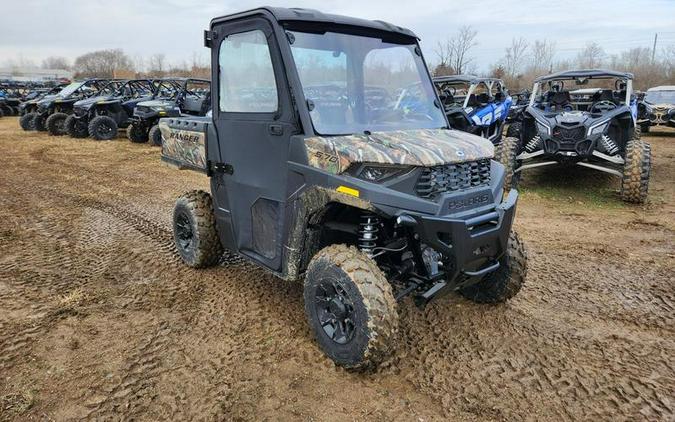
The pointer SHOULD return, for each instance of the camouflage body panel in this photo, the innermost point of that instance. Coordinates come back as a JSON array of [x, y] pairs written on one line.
[[418, 147], [185, 148]]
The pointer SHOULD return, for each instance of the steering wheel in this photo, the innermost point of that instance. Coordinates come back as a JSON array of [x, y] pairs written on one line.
[[602, 106]]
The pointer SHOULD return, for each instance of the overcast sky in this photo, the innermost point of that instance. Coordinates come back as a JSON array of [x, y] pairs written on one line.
[[35, 29]]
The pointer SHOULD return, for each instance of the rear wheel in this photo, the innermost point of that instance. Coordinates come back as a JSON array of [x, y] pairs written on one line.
[[103, 128], [636, 172], [505, 282], [76, 128], [350, 307], [194, 230], [56, 124], [155, 136], [137, 133], [506, 153], [26, 121]]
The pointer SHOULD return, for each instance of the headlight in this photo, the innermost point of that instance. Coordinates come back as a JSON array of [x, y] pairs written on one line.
[[543, 128], [159, 108], [593, 130], [379, 173]]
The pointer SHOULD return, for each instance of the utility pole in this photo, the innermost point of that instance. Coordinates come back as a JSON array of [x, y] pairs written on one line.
[[654, 48]]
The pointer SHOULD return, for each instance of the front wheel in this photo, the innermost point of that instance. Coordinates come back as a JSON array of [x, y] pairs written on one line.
[[194, 230], [350, 307], [506, 281], [77, 128], [513, 130], [103, 128], [155, 136], [137, 133], [506, 153], [27, 121], [56, 124], [636, 172]]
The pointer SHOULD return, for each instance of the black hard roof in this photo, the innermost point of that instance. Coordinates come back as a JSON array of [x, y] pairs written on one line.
[[283, 14], [585, 73], [464, 78]]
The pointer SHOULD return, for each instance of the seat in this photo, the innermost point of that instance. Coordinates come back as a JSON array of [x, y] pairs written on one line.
[[559, 100]]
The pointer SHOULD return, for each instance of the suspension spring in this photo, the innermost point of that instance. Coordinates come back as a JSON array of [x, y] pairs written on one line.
[[368, 230], [609, 145], [533, 144]]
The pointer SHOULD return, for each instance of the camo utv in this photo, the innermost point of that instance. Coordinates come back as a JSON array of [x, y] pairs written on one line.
[[325, 177], [475, 105]]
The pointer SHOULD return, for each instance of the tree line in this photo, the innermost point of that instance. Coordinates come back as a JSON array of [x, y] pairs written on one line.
[[523, 61], [115, 63]]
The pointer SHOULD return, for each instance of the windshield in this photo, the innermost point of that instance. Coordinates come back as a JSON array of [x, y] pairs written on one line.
[[593, 95], [70, 89], [660, 97], [354, 84]]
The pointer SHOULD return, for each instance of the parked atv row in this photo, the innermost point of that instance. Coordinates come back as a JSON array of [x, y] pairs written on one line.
[[98, 108]]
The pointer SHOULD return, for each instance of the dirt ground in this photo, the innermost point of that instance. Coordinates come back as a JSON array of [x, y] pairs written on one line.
[[100, 320]]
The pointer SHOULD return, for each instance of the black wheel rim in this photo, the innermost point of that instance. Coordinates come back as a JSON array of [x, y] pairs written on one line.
[[335, 311], [60, 125], [184, 234], [104, 129]]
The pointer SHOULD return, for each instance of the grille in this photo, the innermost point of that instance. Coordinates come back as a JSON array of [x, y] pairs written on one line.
[[453, 177], [568, 137]]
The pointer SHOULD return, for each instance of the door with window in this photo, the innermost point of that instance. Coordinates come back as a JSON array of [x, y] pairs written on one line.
[[254, 120]]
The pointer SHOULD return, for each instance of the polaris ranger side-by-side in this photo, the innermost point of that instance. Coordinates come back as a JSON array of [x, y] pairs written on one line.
[[475, 105], [173, 97], [590, 127], [102, 115], [318, 174], [28, 109], [58, 108]]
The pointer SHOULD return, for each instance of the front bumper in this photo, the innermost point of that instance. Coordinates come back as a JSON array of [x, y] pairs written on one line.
[[470, 244]]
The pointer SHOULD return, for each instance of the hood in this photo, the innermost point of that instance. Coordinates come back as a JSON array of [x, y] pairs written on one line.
[[88, 102], [570, 117], [157, 103], [418, 147]]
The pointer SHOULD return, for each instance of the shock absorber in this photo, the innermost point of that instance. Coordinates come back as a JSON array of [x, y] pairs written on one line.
[[533, 144], [609, 145], [368, 230]]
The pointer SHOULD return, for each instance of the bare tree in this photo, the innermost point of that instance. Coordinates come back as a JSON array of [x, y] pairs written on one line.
[[157, 65], [591, 56], [514, 59], [55, 62], [104, 64], [461, 46], [542, 54]]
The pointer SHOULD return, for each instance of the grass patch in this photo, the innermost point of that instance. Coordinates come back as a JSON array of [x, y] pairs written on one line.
[[574, 186], [17, 403]]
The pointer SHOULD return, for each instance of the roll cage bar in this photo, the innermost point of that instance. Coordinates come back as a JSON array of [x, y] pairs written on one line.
[[582, 75]]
